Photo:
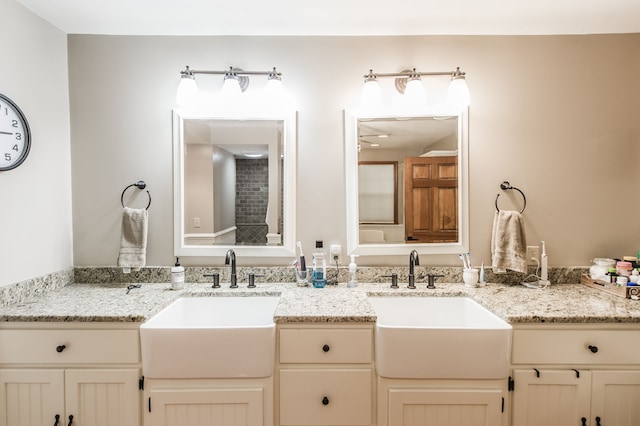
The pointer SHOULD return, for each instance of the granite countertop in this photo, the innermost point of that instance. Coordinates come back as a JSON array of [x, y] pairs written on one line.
[[564, 303]]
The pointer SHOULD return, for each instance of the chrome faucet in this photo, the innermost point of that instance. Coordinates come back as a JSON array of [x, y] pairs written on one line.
[[231, 257], [414, 260]]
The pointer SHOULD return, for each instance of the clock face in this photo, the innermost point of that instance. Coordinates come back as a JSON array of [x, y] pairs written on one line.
[[15, 136]]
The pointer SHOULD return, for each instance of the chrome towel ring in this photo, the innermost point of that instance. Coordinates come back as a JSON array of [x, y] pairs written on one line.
[[140, 185], [506, 186]]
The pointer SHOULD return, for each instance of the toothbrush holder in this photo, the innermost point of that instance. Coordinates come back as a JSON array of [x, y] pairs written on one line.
[[302, 277], [470, 277]]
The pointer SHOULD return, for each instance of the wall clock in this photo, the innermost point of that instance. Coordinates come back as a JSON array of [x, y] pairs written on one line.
[[15, 136]]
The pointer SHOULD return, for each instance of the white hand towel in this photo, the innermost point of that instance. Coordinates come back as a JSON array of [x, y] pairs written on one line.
[[133, 239], [508, 242]]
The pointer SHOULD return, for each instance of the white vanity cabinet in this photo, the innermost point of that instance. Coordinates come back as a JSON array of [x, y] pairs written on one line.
[[325, 375], [68, 375], [576, 375]]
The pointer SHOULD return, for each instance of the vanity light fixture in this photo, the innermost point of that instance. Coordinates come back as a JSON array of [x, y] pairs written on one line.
[[409, 84], [236, 81]]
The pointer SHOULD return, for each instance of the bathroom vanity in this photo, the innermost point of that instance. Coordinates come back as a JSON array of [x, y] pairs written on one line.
[[574, 356]]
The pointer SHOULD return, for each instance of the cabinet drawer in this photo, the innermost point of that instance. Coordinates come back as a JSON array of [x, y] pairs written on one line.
[[347, 392], [76, 346], [327, 345], [573, 347]]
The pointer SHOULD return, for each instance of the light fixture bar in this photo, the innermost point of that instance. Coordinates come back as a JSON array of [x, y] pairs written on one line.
[[232, 70], [411, 73]]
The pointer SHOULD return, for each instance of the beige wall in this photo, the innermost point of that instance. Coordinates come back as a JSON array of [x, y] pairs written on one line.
[[35, 206], [557, 116]]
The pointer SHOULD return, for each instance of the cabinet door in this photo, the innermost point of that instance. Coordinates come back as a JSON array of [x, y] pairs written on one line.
[[223, 406], [445, 407], [31, 397], [103, 397], [555, 398], [614, 398]]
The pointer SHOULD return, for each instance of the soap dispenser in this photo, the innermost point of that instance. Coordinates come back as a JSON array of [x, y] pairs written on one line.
[[177, 276], [353, 272]]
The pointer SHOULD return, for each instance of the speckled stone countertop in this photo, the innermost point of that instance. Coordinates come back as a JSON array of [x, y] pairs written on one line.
[[564, 303]]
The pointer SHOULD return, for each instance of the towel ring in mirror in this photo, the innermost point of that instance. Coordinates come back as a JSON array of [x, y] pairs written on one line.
[[506, 186], [140, 185]]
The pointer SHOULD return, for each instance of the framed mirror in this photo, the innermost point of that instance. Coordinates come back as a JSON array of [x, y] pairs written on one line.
[[423, 160], [234, 184]]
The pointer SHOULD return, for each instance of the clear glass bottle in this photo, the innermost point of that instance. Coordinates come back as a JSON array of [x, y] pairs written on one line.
[[319, 276]]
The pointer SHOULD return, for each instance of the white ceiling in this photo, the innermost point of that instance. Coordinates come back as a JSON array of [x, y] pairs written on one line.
[[339, 17]]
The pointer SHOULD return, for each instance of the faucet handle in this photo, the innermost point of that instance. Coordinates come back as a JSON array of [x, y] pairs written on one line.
[[252, 278], [432, 280], [216, 279], [394, 279]]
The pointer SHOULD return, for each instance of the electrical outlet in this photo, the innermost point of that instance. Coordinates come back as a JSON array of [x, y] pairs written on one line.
[[196, 222], [533, 252], [335, 250]]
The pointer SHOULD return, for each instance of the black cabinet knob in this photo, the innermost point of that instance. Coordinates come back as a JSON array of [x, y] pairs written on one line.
[[325, 401], [326, 348], [584, 421], [60, 348], [593, 349], [70, 420], [57, 417], [598, 421]]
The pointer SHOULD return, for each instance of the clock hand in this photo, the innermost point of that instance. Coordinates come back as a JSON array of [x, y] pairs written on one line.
[[6, 133]]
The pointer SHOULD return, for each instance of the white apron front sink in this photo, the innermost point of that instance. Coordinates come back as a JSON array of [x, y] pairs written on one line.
[[210, 337], [439, 338]]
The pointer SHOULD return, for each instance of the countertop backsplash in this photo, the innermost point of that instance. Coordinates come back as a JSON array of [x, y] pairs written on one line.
[[23, 290], [20, 291], [285, 274]]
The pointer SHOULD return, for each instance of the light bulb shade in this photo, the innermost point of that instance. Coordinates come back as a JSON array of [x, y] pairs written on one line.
[[458, 94], [274, 88], [414, 95], [187, 91], [274, 95], [371, 97], [231, 87]]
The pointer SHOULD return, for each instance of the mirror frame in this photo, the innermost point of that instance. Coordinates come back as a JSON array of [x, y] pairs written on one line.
[[351, 176], [287, 249]]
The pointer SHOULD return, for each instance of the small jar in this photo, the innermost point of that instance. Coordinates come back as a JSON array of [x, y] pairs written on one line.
[[622, 280], [623, 268]]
